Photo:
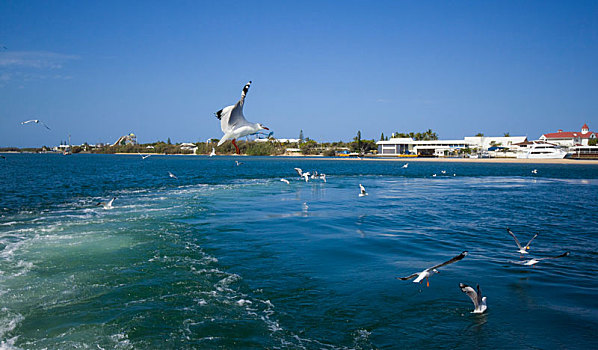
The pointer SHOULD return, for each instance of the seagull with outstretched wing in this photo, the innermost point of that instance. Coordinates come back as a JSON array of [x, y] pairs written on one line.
[[233, 122], [431, 270], [479, 302], [522, 250]]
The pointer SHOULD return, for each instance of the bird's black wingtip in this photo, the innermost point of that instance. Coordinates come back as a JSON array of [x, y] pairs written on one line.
[[219, 114]]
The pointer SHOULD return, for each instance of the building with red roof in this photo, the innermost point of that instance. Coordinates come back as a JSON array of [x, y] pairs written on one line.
[[570, 138]]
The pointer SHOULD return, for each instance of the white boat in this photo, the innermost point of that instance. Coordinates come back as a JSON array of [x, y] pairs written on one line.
[[541, 150]]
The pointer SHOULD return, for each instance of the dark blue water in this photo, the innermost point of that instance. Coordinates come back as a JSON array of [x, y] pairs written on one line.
[[229, 256]]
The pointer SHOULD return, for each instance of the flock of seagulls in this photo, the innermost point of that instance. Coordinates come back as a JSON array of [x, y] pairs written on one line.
[[475, 295]]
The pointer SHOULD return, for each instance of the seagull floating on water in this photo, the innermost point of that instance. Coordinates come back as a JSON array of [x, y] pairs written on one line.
[[534, 261], [36, 121], [233, 122], [479, 302], [238, 163], [535, 171], [522, 250], [429, 271], [172, 175], [405, 165], [285, 181], [213, 152], [362, 191], [107, 205]]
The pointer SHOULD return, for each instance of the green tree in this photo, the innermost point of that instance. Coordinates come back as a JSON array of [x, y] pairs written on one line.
[[168, 141], [592, 142], [507, 134], [382, 137], [479, 134]]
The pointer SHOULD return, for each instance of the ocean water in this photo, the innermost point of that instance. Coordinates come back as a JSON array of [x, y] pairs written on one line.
[[230, 257]]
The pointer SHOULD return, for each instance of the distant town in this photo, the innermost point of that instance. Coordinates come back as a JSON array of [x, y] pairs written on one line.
[[559, 144]]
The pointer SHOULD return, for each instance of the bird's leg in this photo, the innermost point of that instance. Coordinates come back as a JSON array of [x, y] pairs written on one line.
[[427, 282], [236, 147]]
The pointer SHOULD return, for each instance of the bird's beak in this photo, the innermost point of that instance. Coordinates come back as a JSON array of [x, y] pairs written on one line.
[[265, 128]]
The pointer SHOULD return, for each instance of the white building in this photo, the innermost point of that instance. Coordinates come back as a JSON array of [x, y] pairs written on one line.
[[570, 138], [440, 148]]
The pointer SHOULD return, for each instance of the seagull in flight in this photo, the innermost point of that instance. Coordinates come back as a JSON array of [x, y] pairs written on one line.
[[143, 156], [479, 302], [535, 171], [405, 165], [285, 181], [522, 250], [213, 152], [233, 122], [534, 261], [36, 121], [172, 175], [299, 171], [323, 177], [107, 205], [429, 271], [362, 191], [238, 163], [306, 176]]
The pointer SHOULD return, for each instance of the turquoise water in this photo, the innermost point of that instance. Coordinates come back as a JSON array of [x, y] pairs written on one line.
[[229, 256]]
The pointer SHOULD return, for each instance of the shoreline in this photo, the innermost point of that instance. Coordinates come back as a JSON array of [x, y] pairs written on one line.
[[394, 159]]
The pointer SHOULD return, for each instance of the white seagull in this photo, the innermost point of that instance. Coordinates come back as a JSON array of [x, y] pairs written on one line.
[[233, 122], [429, 271], [238, 163], [405, 165], [107, 205], [522, 250], [479, 302], [306, 176], [362, 191], [535, 171], [143, 156], [213, 152], [36, 121], [534, 261], [285, 181], [172, 175], [323, 177], [299, 171]]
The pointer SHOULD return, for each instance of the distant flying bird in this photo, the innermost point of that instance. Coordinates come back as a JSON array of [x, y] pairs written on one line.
[[213, 152], [433, 175], [299, 171], [479, 302], [238, 163], [172, 175], [36, 121], [233, 122], [429, 271], [285, 181], [107, 205], [534, 261], [362, 191], [323, 177], [405, 165], [535, 171], [522, 250], [143, 156], [443, 171]]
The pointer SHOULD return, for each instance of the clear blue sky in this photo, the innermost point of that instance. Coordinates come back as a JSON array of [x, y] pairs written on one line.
[[101, 69]]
